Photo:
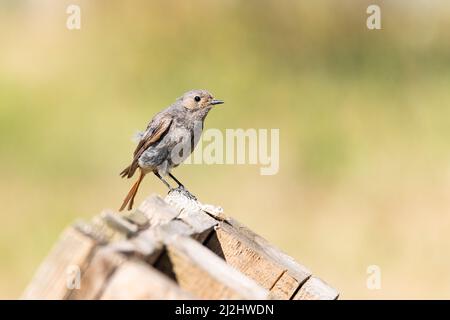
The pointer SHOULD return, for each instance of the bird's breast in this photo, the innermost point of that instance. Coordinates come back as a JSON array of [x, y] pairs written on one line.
[[183, 142]]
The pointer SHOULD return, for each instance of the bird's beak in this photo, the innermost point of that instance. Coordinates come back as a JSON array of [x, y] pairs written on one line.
[[214, 102]]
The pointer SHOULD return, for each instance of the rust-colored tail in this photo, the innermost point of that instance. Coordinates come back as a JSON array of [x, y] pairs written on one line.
[[129, 171], [129, 199]]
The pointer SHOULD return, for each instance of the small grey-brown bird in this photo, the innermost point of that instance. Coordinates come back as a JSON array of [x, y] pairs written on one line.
[[169, 139]]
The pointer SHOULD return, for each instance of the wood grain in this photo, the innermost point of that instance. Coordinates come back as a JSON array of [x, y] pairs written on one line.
[[285, 287], [157, 210], [171, 250], [102, 266], [137, 281], [316, 289], [52, 280], [196, 269], [253, 256], [201, 223]]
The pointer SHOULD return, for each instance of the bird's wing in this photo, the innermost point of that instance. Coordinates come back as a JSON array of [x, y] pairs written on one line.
[[155, 130]]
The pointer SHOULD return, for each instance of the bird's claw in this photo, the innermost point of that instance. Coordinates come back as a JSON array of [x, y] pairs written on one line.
[[181, 189]]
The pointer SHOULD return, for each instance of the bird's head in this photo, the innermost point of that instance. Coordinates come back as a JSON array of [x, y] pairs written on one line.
[[198, 99]]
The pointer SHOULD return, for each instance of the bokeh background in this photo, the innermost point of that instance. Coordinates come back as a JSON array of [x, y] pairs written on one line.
[[364, 119]]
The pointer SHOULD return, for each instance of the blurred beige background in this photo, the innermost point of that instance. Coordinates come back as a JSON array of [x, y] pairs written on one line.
[[364, 119]]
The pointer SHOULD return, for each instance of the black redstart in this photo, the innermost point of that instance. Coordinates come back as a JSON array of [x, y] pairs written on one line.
[[169, 139]]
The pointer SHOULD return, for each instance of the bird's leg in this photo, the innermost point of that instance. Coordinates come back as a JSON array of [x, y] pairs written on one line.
[[176, 180], [162, 179], [182, 188]]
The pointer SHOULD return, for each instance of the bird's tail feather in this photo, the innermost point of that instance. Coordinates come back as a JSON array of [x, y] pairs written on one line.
[[129, 199], [129, 171]]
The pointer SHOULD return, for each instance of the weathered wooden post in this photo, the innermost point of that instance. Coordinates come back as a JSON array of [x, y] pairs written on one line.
[[172, 248]]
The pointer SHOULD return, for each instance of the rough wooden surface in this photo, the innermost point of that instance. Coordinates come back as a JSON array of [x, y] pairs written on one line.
[[136, 280], [316, 289], [54, 277], [200, 271], [101, 267], [176, 248], [285, 287], [269, 267]]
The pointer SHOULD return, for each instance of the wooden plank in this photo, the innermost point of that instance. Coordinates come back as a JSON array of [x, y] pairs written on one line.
[[191, 213], [53, 279], [136, 280], [284, 288], [315, 289], [103, 264], [201, 223], [119, 223], [113, 257], [174, 227], [198, 270], [196, 229], [238, 253], [139, 219], [292, 267], [98, 230], [157, 210], [257, 259], [147, 246]]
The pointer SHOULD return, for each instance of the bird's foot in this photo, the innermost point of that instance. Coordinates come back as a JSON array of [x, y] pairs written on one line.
[[186, 201], [181, 189]]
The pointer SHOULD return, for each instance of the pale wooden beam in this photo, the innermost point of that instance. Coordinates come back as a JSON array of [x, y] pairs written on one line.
[[135, 280], [316, 289], [176, 248], [198, 270], [54, 278], [101, 267], [256, 258]]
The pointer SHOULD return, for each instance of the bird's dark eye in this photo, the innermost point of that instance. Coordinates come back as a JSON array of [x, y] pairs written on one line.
[[197, 98]]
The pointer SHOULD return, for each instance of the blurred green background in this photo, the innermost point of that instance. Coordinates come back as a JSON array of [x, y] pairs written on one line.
[[364, 119]]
